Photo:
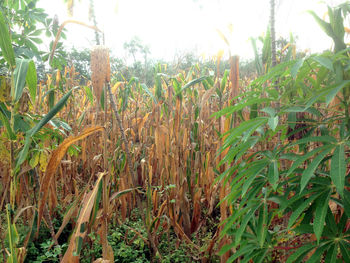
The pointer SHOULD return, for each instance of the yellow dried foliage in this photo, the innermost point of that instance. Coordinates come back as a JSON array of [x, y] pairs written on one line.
[[54, 162], [82, 224]]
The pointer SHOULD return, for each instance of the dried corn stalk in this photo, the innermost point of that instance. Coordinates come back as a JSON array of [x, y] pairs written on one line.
[[100, 68]]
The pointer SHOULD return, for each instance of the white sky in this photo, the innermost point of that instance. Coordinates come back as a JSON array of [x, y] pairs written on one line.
[[169, 26]]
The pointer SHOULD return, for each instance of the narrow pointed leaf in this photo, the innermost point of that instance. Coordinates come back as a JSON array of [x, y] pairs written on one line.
[[338, 168], [320, 214], [310, 170], [5, 42]]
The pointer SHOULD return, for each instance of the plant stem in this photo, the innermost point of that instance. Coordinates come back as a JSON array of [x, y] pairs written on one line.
[[131, 170]]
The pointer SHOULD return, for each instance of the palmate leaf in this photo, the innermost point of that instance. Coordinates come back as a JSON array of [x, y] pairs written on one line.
[[244, 224], [244, 249], [331, 256], [305, 157], [300, 251], [316, 256], [297, 212], [345, 250], [306, 176]]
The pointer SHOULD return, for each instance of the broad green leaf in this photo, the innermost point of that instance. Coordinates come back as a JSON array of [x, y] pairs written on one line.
[[146, 89], [28, 140], [5, 42], [310, 170], [251, 174], [231, 109], [346, 202], [244, 249], [273, 122], [331, 256], [244, 224], [296, 67], [320, 214], [89, 94], [324, 61], [20, 74], [262, 225], [330, 96], [193, 82], [345, 250], [51, 113], [297, 212], [300, 251], [323, 139], [273, 174], [338, 168], [305, 157], [32, 80], [3, 117], [316, 256]]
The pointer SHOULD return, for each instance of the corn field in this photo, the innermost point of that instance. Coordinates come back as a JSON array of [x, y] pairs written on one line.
[[222, 167]]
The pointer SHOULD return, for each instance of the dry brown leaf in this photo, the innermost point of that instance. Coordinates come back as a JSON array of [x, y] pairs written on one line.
[[54, 162], [82, 224]]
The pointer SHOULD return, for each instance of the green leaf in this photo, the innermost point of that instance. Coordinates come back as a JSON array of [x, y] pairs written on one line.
[[20, 74], [251, 174], [296, 67], [297, 212], [346, 202], [262, 225], [32, 80], [345, 251], [3, 117], [193, 82], [244, 250], [304, 157], [89, 94], [5, 42], [51, 113], [146, 89], [338, 168], [316, 256], [300, 252], [273, 122], [310, 170], [324, 61], [330, 96], [244, 224], [273, 174], [331, 256], [231, 109], [320, 214], [28, 140]]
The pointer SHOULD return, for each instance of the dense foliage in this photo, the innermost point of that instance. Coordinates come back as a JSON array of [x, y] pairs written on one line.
[[147, 161]]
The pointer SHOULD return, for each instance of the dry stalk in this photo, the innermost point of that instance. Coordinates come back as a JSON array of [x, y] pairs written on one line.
[[131, 169], [58, 35]]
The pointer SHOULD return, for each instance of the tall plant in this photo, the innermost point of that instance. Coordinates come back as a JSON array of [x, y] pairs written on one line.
[[303, 179]]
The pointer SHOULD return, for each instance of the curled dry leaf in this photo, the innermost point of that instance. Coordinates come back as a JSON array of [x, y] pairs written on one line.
[[76, 240], [54, 162]]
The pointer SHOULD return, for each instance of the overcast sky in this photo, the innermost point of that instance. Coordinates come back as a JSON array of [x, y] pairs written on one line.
[[170, 26]]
